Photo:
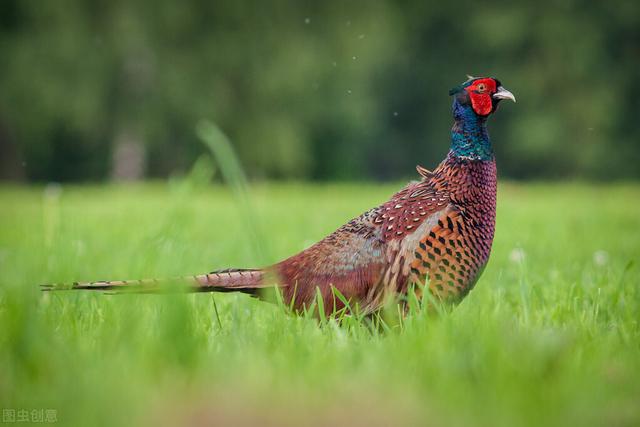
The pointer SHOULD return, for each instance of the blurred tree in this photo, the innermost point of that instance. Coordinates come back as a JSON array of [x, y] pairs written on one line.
[[312, 90]]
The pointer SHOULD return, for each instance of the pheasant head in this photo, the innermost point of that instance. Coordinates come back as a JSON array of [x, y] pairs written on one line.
[[482, 93], [474, 101]]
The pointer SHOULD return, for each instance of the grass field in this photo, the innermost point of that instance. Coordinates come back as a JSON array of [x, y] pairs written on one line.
[[550, 335]]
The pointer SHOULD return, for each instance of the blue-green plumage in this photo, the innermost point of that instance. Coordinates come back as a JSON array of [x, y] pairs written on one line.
[[469, 136]]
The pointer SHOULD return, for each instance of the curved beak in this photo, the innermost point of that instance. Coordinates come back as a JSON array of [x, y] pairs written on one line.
[[502, 93]]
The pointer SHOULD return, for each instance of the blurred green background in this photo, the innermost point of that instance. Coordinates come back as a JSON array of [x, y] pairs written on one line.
[[313, 90]]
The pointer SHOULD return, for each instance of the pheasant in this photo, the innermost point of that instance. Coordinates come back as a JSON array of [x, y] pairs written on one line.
[[435, 233]]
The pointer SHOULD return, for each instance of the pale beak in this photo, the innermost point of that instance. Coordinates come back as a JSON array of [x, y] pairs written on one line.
[[502, 93]]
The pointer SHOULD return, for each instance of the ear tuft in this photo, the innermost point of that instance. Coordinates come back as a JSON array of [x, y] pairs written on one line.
[[460, 87]]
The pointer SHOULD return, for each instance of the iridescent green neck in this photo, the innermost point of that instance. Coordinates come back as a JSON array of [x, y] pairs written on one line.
[[469, 136]]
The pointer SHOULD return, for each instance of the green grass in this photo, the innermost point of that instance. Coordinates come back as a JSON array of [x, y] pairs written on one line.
[[550, 335]]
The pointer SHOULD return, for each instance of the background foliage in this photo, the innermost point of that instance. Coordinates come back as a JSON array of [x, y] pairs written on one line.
[[312, 90]]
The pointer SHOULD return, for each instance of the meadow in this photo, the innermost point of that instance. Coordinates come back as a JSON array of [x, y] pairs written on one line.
[[549, 336]]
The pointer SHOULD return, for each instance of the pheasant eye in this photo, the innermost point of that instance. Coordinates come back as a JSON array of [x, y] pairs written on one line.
[[481, 87]]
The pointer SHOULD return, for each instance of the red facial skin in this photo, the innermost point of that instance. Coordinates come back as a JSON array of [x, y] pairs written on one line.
[[480, 93]]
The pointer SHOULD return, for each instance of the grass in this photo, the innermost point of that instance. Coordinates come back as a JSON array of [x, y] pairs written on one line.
[[550, 335]]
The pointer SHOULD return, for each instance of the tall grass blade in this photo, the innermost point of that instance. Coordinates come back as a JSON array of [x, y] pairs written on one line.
[[235, 178]]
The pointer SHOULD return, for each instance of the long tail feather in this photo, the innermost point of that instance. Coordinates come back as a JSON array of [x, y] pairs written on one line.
[[231, 280]]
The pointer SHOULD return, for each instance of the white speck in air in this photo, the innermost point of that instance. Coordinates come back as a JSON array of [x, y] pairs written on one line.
[[307, 20]]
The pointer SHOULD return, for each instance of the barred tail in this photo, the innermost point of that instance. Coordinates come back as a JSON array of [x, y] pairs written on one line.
[[232, 280]]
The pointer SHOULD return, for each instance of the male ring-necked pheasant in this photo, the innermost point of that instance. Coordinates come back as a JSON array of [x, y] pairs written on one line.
[[437, 231]]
